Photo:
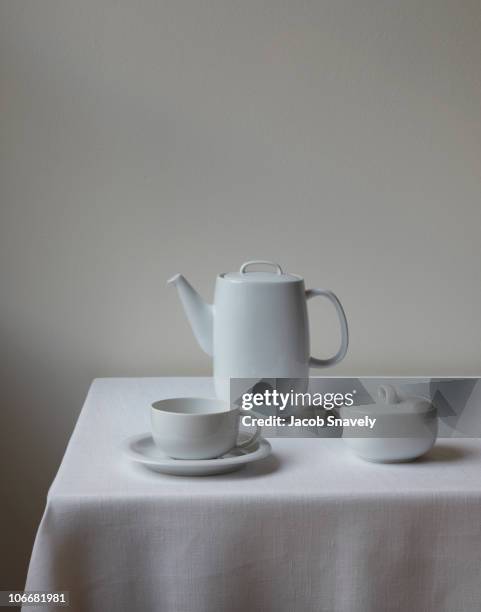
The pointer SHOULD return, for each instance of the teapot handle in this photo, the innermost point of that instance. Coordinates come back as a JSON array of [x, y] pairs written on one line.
[[323, 363]]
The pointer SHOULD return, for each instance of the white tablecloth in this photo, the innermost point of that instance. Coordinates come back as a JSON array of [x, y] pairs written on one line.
[[311, 528]]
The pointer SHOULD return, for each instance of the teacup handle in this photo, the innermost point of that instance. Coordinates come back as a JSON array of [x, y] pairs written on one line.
[[255, 435]]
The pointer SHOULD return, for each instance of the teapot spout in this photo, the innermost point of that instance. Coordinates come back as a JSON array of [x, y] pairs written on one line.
[[199, 314]]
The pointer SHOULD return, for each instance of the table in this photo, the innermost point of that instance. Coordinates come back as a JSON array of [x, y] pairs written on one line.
[[310, 528]]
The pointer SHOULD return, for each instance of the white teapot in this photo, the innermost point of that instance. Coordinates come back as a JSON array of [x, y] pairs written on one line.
[[258, 326]]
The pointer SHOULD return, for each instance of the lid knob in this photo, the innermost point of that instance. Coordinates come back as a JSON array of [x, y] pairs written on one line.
[[245, 265], [387, 394]]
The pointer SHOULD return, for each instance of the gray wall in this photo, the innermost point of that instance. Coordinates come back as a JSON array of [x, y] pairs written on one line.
[[139, 139]]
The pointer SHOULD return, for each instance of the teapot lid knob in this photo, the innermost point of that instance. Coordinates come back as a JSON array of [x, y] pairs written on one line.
[[245, 265]]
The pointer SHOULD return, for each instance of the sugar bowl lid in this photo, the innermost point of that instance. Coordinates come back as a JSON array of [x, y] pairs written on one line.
[[391, 403], [261, 276]]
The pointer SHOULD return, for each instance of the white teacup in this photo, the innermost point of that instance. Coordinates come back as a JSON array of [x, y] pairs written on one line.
[[197, 428]]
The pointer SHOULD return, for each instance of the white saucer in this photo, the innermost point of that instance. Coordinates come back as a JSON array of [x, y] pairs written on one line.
[[142, 449]]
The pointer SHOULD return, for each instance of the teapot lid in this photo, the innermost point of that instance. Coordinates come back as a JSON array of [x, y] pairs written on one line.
[[261, 277]]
